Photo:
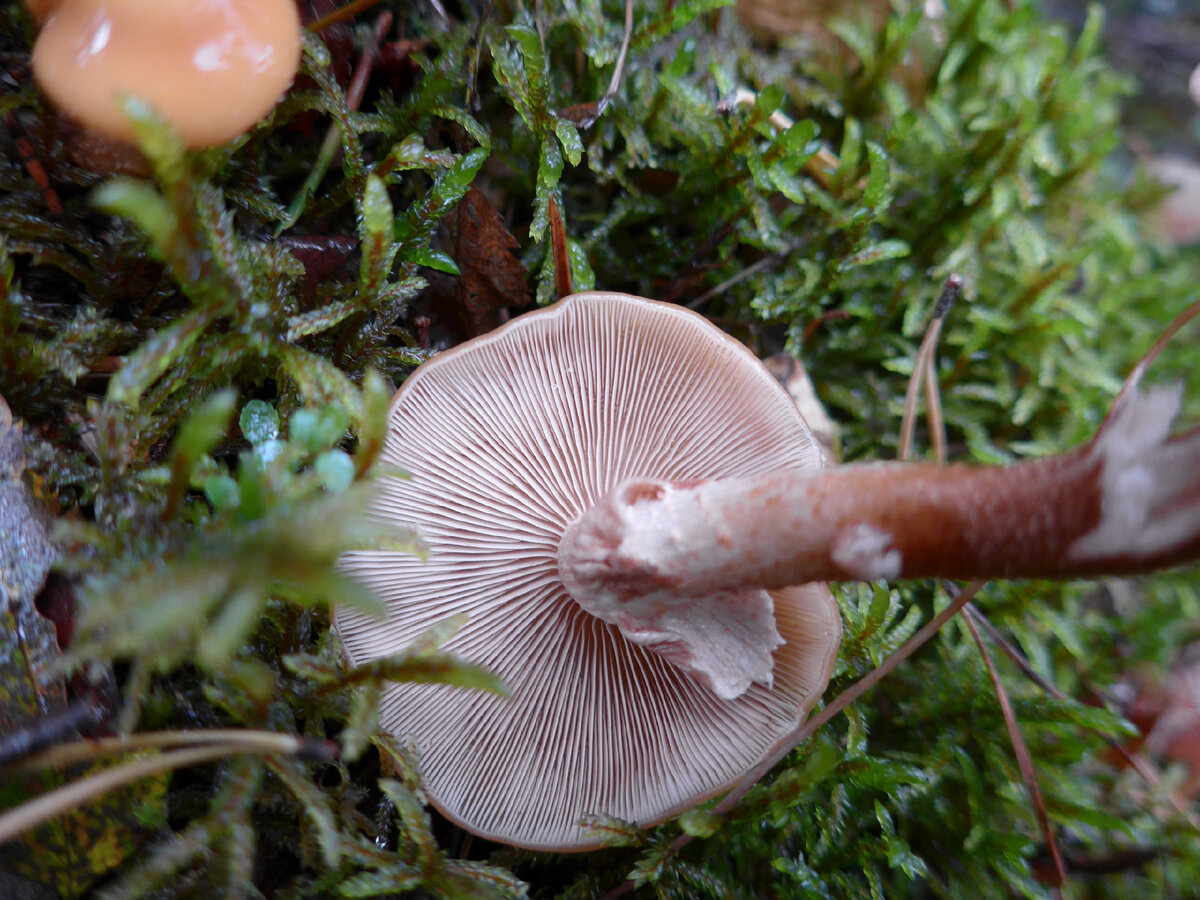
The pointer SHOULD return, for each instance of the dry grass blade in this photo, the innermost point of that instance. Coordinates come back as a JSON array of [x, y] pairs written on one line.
[[257, 741], [38, 810], [925, 371], [585, 115], [1024, 760], [1134, 380], [1145, 769], [349, 11]]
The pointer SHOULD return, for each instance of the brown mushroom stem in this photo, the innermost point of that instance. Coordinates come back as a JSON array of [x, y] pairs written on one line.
[[1128, 501]]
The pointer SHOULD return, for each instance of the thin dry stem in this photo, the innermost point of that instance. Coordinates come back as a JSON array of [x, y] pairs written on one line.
[[1134, 380], [615, 83], [925, 370], [912, 395], [349, 11], [1144, 768], [87, 750], [823, 164], [558, 250], [69, 796], [1024, 759]]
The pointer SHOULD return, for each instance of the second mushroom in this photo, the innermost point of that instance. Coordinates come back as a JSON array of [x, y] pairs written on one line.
[[636, 522]]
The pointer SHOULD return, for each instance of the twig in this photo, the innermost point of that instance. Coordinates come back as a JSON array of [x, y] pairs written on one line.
[[1024, 759], [1144, 768], [261, 741], [584, 115], [925, 371], [615, 82], [821, 166], [36, 811], [745, 273]]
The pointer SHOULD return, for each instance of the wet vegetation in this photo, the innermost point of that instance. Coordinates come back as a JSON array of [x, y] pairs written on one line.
[[201, 355]]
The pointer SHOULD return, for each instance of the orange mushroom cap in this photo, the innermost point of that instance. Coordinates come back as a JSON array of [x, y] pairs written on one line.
[[510, 438], [40, 9], [212, 68]]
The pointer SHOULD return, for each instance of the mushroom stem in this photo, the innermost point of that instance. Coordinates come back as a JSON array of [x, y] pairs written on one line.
[[1128, 501]]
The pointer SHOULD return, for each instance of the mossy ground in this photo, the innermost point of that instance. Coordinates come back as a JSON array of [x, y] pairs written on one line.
[[202, 357]]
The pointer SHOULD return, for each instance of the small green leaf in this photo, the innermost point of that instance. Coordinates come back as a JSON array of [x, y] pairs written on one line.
[[875, 253], [144, 206], [550, 166], [222, 492], [229, 629], [318, 429], [700, 823], [879, 183], [259, 422], [433, 259], [376, 208], [335, 468], [155, 137], [568, 136]]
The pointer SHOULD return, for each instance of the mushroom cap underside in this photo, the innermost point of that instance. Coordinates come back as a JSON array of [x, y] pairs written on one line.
[[212, 68], [507, 440]]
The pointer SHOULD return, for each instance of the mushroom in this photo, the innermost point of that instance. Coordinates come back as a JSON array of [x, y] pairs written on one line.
[[508, 439], [212, 68], [40, 9], [621, 499]]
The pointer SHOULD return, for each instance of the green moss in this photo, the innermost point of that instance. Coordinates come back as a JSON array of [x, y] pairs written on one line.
[[136, 323]]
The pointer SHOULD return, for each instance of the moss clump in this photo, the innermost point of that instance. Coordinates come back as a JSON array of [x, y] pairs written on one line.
[[285, 286]]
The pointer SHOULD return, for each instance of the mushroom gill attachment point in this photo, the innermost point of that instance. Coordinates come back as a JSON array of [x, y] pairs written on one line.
[[212, 68]]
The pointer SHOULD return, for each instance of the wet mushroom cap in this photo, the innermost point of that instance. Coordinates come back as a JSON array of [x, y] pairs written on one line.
[[40, 9], [507, 439], [212, 68]]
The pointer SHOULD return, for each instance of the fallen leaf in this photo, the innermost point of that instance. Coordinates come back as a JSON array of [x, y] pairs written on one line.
[[70, 851], [491, 277]]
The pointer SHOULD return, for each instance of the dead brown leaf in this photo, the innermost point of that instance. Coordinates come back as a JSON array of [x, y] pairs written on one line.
[[491, 277]]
